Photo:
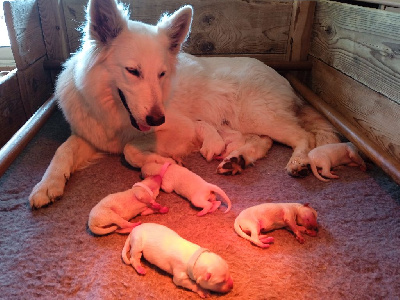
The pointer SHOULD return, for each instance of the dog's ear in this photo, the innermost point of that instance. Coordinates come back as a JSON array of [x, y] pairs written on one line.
[[177, 27], [105, 20]]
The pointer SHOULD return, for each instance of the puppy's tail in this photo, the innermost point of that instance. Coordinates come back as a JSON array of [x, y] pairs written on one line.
[[239, 231], [126, 249], [219, 191], [315, 172]]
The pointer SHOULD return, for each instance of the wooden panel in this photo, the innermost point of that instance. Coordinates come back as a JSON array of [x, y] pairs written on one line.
[[24, 30], [12, 113], [219, 27], [35, 85], [361, 42], [376, 115]]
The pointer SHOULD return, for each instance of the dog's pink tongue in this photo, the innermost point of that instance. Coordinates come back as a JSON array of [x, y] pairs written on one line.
[[144, 127]]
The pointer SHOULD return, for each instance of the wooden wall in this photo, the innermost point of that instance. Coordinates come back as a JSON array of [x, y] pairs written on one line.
[[356, 68]]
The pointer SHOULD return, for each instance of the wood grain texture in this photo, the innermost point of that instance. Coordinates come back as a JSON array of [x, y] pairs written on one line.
[[374, 114], [25, 33], [35, 85], [12, 113], [219, 27], [360, 42]]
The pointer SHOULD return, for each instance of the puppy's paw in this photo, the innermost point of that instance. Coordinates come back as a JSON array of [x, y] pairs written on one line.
[[140, 269], [300, 239], [231, 165]]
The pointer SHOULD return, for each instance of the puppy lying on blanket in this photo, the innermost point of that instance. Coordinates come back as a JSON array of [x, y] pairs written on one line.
[[333, 155], [189, 185], [192, 267], [299, 218], [114, 211]]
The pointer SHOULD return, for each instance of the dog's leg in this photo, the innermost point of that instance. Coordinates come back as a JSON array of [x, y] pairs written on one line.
[[255, 147], [73, 154], [136, 157], [212, 142]]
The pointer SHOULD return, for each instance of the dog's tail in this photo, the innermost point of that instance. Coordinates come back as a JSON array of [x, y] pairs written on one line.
[[225, 198], [126, 249], [240, 232], [315, 172]]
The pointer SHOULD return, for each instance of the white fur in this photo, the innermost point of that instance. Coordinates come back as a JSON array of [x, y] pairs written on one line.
[[182, 181], [142, 64], [164, 248], [299, 218], [329, 156], [114, 211]]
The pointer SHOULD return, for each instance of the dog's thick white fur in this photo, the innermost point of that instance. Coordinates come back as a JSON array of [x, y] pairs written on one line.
[[299, 218], [114, 211], [185, 183], [164, 248], [329, 156], [130, 89]]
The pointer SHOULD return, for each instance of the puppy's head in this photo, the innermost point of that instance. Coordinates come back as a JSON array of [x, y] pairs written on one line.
[[140, 57], [307, 217], [212, 273]]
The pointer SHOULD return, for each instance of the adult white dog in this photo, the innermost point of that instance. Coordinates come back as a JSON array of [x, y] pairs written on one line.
[[130, 89]]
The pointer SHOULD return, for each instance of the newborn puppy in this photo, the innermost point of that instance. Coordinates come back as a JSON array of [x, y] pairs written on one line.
[[191, 266], [299, 218], [332, 155], [189, 185], [114, 211]]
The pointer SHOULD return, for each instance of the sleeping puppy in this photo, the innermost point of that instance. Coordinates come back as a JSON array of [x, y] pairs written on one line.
[[299, 218], [191, 266], [333, 155], [189, 185], [114, 211]]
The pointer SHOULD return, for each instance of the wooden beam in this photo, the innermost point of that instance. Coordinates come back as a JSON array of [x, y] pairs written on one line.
[[21, 138], [381, 158]]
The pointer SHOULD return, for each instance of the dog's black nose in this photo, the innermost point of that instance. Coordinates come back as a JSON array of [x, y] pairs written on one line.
[[155, 120]]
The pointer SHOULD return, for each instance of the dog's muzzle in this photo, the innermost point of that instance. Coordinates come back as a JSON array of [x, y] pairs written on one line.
[[123, 100]]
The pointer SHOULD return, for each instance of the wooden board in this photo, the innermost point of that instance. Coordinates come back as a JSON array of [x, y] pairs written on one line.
[[25, 33], [219, 27], [376, 115], [12, 113], [361, 42], [35, 85]]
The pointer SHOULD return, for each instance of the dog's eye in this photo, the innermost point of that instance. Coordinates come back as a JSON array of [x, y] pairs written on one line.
[[134, 71], [162, 74]]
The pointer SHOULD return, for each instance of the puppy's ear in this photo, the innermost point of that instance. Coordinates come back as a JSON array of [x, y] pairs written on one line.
[[105, 20], [177, 27], [205, 277], [143, 196], [307, 204]]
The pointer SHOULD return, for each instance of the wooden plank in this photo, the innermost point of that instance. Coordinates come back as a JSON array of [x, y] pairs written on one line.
[[300, 30], [361, 42], [219, 27], [35, 85], [387, 162], [12, 113], [54, 29], [374, 114], [25, 33], [21, 138]]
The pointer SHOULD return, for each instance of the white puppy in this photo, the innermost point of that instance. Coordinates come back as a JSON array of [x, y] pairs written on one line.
[[189, 185], [114, 211], [192, 267], [299, 218], [333, 155]]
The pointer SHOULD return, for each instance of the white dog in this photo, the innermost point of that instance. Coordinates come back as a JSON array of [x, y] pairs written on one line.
[[114, 211], [329, 156], [130, 89], [182, 181], [192, 267], [299, 218]]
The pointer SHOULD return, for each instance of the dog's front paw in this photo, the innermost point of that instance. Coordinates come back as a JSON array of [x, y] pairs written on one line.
[[211, 150], [46, 191], [231, 165], [298, 167]]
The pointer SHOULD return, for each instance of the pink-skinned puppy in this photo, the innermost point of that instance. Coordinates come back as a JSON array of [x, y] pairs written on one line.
[[191, 266], [299, 218], [329, 156], [114, 211], [185, 183]]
